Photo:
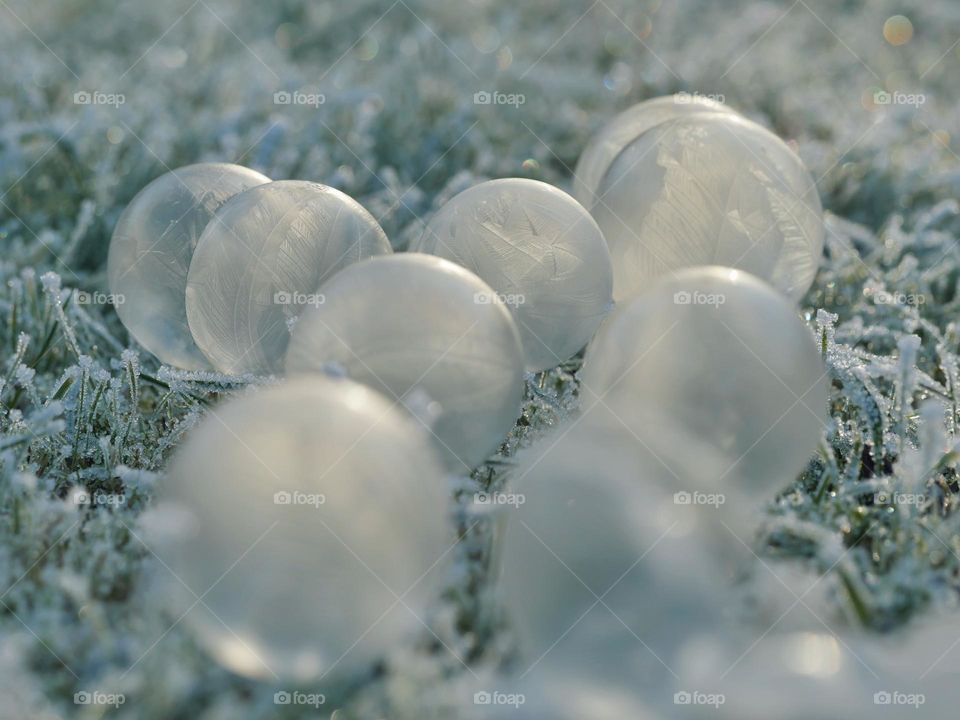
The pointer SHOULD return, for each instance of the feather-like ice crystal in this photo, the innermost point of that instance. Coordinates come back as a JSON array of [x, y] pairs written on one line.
[[623, 129], [710, 188], [540, 251], [151, 249], [260, 262]]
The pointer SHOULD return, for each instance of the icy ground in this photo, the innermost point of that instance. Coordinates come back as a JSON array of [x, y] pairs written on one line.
[[399, 130]]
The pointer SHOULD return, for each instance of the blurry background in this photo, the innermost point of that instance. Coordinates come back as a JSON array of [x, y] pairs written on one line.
[[397, 104], [398, 126]]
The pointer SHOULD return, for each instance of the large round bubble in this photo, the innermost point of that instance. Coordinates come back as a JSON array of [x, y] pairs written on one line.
[[626, 127], [305, 510], [605, 569], [259, 264], [151, 249], [540, 251], [418, 328], [710, 189], [722, 360]]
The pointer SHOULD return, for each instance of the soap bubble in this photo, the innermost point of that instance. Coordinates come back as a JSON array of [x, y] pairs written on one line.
[[305, 510], [723, 361], [626, 127], [260, 262], [413, 322], [151, 249], [710, 189], [542, 254], [604, 572]]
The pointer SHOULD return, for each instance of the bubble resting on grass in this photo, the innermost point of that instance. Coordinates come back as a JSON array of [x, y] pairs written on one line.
[[309, 507], [151, 249], [412, 321], [260, 262], [623, 129], [599, 518], [722, 359], [540, 251], [710, 189]]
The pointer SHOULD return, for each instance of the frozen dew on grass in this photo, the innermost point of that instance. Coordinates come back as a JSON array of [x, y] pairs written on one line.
[[299, 514], [261, 261], [724, 361], [151, 249], [710, 188], [542, 254], [623, 129], [411, 326]]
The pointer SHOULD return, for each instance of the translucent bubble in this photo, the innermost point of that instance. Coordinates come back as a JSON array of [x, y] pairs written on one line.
[[723, 361], [412, 321], [604, 572], [623, 129], [260, 262], [710, 189], [540, 251], [151, 249], [307, 509]]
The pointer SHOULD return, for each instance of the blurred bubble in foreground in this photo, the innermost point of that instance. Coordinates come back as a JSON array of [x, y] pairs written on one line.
[[724, 361], [308, 508]]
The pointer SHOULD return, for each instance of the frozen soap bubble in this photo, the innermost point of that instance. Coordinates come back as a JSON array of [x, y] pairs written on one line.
[[151, 249], [626, 127], [710, 189], [411, 325], [722, 360], [303, 512], [260, 262], [599, 519], [542, 254]]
